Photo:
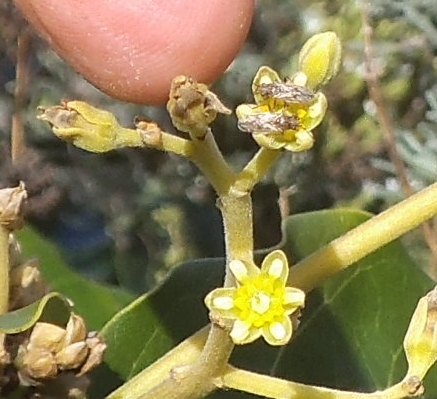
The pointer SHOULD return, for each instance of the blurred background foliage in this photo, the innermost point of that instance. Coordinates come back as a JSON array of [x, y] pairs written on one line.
[[134, 213]]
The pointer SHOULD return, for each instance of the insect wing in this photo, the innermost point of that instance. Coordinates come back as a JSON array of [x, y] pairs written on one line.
[[288, 92]]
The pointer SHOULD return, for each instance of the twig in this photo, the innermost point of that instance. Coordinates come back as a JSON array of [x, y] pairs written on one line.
[[18, 144]]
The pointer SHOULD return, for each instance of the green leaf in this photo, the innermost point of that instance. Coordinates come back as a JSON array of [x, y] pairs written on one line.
[[351, 330], [95, 302], [52, 308], [156, 322]]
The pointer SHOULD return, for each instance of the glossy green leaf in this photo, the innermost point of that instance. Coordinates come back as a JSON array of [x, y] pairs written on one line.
[[351, 331], [52, 308], [155, 322], [95, 302]]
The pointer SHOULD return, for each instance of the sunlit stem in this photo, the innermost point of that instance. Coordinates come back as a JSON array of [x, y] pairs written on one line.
[[364, 239], [186, 352], [171, 143], [256, 169], [271, 387], [208, 158]]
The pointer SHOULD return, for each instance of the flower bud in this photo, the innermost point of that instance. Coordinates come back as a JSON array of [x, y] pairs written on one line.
[[89, 128], [320, 58], [46, 336], [37, 363], [72, 356], [97, 347], [75, 330], [192, 106], [11, 203], [420, 342]]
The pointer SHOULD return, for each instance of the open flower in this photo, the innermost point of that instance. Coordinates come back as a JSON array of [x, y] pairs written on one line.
[[260, 304], [284, 113]]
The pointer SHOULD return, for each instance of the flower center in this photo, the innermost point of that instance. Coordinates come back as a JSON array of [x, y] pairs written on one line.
[[260, 302]]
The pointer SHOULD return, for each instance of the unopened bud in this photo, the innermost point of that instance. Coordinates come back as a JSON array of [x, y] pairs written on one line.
[[420, 342], [27, 284], [89, 128], [72, 356], [320, 58], [192, 106], [46, 336], [11, 203], [75, 330], [97, 347], [38, 363]]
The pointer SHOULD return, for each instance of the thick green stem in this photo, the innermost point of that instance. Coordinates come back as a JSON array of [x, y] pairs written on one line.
[[364, 239], [276, 388], [186, 352], [196, 380], [4, 269]]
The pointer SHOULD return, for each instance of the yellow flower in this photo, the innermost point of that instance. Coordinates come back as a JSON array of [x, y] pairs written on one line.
[[260, 304], [284, 113]]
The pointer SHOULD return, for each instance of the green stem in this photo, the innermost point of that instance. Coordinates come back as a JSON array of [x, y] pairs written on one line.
[[4, 269], [186, 352], [255, 170], [196, 380], [208, 158], [364, 239], [169, 142], [276, 388]]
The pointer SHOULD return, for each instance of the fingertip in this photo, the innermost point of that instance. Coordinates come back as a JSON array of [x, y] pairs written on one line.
[[132, 52]]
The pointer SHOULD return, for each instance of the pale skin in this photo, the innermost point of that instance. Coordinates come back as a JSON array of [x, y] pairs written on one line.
[[132, 49]]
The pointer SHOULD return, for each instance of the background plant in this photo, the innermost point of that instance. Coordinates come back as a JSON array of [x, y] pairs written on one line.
[[316, 180]]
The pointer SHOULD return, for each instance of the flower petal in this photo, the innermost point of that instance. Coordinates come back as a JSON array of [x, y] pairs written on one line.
[[275, 264], [316, 112], [265, 74], [294, 298], [243, 333], [303, 140], [221, 302], [279, 332], [239, 270], [240, 331], [271, 141]]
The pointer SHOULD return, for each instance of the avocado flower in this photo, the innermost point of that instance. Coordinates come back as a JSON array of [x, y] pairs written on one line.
[[284, 113], [260, 304]]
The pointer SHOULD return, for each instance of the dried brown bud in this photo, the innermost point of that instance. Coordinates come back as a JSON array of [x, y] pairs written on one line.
[[11, 202], [72, 356], [192, 106], [75, 330], [150, 133], [26, 284], [37, 363], [97, 347], [46, 336]]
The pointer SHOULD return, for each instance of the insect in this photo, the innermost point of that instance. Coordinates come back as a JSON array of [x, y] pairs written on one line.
[[287, 91], [268, 123]]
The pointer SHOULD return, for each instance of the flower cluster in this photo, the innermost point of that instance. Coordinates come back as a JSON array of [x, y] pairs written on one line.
[[260, 304], [285, 112]]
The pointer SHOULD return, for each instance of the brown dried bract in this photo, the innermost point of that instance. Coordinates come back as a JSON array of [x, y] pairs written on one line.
[[286, 91]]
